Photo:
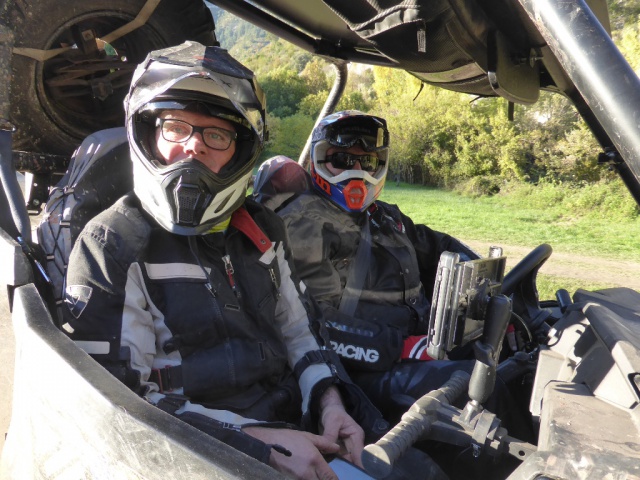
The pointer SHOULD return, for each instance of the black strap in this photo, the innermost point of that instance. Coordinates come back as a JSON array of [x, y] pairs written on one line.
[[311, 358], [171, 403], [357, 272], [167, 378]]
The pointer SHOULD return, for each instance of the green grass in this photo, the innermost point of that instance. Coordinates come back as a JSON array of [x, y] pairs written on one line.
[[548, 285], [523, 222], [525, 219]]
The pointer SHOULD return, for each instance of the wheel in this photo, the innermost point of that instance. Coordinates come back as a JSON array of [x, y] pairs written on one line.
[[526, 268], [57, 102]]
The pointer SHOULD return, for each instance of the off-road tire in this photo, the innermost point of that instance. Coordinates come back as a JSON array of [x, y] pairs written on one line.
[[54, 122]]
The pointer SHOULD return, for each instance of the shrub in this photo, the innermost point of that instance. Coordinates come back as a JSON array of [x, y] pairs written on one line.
[[479, 186]]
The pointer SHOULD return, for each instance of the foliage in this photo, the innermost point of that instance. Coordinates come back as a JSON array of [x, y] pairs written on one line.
[[438, 137], [315, 77], [287, 135], [620, 11], [261, 51], [353, 100], [312, 104], [574, 157], [232, 32], [629, 41], [480, 186], [284, 89]]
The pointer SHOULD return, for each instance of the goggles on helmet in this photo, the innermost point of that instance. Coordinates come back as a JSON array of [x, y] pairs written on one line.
[[179, 131], [346, 161], [371, 135]]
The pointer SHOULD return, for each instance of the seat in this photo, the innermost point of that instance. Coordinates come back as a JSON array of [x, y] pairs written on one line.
[[99, 173], [279, 180]]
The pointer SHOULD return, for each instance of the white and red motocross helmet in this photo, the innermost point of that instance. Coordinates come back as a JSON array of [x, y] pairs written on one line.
[[352, 190], [186, 197]]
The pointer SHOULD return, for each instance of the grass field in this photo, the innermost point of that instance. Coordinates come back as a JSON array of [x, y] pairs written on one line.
[[493, 219], [497, 220]]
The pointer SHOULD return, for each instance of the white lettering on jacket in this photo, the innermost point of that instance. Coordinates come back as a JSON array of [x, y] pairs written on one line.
[[356, 353]]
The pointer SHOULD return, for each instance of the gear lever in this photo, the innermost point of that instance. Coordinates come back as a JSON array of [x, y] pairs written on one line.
[[487, 352]]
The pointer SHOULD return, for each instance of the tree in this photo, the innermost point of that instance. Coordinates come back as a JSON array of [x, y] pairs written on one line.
[[311, 105], [353, 100], [284, 89], [629, 43], [575, 157], [315, 77], [287, 136]]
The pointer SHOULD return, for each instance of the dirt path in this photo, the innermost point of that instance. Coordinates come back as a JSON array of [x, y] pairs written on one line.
[[590, 269]]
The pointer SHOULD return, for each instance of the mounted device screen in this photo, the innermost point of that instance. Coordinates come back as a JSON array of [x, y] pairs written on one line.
[[460, 296]]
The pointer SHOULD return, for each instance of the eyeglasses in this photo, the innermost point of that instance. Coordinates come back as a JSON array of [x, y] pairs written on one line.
[[346, 161], [177, 131]]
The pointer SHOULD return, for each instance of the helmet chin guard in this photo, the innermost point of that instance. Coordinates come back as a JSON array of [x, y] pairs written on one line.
[[355, 193], [183, 202], [189, 199]]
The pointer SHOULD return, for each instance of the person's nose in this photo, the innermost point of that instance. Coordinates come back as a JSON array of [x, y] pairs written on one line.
[[357, 166], [195, 145]]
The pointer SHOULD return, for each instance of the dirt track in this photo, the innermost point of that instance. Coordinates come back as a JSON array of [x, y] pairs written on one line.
[[589, 269]]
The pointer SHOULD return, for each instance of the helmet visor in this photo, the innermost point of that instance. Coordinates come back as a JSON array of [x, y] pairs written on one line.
[[150, 111]]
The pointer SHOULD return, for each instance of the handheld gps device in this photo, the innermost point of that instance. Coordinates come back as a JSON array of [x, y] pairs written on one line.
[[460, 297]]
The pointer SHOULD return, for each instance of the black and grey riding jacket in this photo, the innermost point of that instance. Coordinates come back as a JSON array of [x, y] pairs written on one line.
[[218, 318], [394, 301]]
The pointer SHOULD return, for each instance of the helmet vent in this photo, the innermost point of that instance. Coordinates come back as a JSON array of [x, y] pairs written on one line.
[[223, 204], [189, 199]]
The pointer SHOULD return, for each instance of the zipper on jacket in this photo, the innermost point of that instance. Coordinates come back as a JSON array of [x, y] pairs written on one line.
[[274, 281], [228, 267], [212, 290]]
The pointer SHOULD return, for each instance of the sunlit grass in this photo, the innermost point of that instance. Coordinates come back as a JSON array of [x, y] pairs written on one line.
[[492, 219], [548, 285]]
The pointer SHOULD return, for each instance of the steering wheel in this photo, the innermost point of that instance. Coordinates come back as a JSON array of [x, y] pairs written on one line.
[[526, 268], [520, 284]]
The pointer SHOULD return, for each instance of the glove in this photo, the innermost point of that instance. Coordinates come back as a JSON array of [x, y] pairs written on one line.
[[415, 348]]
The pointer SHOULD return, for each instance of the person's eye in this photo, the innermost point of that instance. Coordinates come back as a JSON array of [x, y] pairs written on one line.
[[177, 129], [214, 136], [217, 135]]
